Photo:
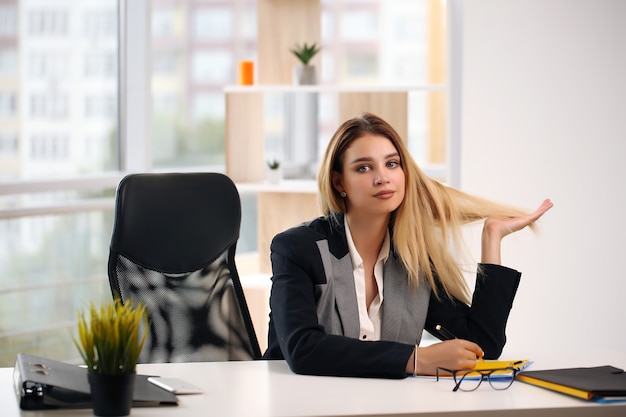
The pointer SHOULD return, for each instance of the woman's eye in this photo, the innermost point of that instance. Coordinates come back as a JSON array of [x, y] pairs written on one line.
[[393, 164], [363, 168]]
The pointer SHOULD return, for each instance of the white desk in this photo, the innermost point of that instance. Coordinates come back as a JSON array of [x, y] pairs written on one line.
[[269, 388]]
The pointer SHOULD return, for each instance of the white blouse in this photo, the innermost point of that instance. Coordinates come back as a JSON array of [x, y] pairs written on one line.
[[370, 320]]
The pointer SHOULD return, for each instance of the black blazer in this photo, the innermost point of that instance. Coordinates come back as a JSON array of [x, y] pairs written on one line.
[[314, 323]]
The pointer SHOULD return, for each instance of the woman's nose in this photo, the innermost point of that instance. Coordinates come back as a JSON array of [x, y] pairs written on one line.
[[380, 178]]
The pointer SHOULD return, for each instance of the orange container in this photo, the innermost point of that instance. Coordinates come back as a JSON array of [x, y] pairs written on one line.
[[246, 72]]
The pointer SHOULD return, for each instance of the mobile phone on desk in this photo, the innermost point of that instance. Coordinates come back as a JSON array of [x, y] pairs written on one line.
[[175, 385]]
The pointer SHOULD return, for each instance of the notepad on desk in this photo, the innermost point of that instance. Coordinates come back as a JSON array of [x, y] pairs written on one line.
[[498, 368], [501, 368], [488, 365], [599, 383]]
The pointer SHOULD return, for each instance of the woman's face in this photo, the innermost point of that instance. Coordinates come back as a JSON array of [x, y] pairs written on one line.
[[372, 176]]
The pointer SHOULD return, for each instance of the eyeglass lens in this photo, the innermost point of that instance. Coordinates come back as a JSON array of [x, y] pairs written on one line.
[[499, 379]]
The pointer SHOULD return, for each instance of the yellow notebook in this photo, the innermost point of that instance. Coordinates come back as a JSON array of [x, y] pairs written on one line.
[[487, 365]]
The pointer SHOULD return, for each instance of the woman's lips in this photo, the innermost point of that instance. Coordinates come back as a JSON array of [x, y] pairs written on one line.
[[384, 194]]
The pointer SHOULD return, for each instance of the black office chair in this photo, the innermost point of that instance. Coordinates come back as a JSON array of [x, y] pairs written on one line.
[[173, 248]]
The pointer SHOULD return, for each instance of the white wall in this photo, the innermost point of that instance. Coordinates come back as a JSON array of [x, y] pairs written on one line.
[[544, 115]]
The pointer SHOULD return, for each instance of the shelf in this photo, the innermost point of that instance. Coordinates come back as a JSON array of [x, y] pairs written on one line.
[[285, 186], [331, 88], [290, 186]]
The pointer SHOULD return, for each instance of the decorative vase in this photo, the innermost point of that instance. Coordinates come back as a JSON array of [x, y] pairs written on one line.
[[304, 74], [111, 395]]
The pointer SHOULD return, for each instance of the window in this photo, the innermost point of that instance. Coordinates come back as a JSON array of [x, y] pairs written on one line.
[[50, 20], [212, 66], [63, 149], [58, 129], [213, 24], [359, 26], [8, 104], [8, 145], [8, 61], [48, 106], [45, 65], [100, 106], [100, 23], [100, 64], [8, 20], [49, 147]]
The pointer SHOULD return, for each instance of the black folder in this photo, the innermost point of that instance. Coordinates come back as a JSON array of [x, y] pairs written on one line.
[[42, 383], [600, 383]]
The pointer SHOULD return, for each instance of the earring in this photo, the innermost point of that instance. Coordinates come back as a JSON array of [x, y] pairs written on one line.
[[343, 194]]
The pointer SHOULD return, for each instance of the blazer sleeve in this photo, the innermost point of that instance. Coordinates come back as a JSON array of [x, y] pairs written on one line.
[[295, 333], [484, 321]]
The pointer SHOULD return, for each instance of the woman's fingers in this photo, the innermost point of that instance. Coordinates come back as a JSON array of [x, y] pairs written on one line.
[[503, 227], [452, 354], [545, 206]]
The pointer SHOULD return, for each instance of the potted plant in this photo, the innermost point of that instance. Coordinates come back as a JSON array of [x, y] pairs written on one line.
[[274, 173], [304, 73], [110, 339]]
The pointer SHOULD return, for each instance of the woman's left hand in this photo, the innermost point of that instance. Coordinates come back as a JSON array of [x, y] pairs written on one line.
[[497, 228]]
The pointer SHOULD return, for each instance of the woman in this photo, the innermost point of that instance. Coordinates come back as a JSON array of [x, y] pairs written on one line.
[[353, 290]]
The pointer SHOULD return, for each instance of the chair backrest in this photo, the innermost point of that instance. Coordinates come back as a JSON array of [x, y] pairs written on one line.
[[173, 248]]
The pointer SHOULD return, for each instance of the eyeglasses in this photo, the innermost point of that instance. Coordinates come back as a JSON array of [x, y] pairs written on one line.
[[499, 379]]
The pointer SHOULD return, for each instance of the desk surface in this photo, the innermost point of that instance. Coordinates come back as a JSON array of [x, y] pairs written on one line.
[[269, 388]]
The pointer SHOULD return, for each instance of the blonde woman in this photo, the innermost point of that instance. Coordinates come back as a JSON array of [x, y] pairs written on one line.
[[353, 290]]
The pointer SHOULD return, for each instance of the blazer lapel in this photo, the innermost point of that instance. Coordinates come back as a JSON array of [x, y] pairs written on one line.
[[337, 307], [395, 289], [345, 296], [404, 308]]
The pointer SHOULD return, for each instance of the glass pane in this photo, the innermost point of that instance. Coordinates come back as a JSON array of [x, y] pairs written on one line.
[[49, 267], [196, 46], [58, 107], [375, 42]]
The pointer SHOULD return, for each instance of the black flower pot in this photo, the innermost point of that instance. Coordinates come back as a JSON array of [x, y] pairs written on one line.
[[111, 395]]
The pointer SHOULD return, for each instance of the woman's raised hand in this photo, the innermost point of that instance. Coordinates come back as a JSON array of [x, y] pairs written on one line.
[[503, 227], [497, 228]]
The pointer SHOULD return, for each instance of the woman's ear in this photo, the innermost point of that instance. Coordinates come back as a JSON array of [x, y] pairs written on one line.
[[336, 180]]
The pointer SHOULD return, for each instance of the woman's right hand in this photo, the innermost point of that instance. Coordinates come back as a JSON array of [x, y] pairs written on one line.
[[451, 354]]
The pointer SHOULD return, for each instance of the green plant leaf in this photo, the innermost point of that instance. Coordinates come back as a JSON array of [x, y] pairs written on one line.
[[305, 52], [111, 337], [273, 164]]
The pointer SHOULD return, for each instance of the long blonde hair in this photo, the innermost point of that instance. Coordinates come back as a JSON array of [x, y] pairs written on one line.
[[428, 220]]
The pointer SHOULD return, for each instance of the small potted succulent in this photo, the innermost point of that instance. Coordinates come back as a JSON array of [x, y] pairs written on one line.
[[110, 339], [305, 73]]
